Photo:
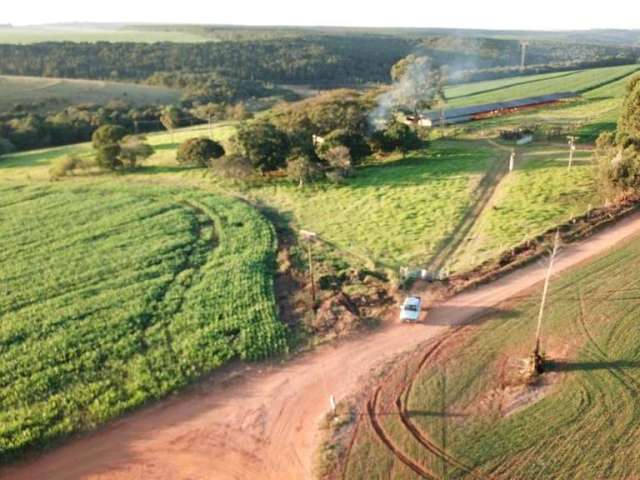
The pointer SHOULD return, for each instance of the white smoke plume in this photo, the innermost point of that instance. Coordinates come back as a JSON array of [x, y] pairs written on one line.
[[413, 91]]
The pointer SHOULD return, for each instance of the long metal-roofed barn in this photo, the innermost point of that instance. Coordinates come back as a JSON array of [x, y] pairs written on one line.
[[477, 112]]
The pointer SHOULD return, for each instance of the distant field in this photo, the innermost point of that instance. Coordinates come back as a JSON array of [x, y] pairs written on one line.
[[50, 34], [56, 92], [597, 109], [114, 295], [534, 85], [581, 423]]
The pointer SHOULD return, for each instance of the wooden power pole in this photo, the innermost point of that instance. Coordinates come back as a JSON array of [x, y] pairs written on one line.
[[538, 360]]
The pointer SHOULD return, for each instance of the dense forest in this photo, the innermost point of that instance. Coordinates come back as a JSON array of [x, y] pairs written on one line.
[[310, 59]]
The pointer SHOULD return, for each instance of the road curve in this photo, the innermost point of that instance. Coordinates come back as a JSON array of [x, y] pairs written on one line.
[[260, 420]]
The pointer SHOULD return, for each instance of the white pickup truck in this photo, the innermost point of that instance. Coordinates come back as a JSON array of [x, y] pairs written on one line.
[[410, 310]]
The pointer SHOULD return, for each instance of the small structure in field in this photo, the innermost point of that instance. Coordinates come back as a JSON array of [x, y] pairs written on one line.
[[414, 120]]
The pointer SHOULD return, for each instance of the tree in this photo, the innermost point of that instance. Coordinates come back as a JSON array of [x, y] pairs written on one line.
[[115, 149], [238, 112], [106, 142], [107, 135], [399, 136], [170, 120], [133, 149], [302, 169], [209, 112], [618, 156], [340, 160], [263, 144], [199, 151], [629, 123], [355, 143], [108, 157]]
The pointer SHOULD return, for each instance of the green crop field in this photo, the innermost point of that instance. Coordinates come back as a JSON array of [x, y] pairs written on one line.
[[113, 295], [580, 422], [595, 110], [15, 90], [578, 81]]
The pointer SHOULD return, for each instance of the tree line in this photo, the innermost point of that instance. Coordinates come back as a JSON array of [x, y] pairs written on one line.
[[307, 59]]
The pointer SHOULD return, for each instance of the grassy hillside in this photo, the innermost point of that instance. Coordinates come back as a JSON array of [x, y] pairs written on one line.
[[57, 92], [114, 295], [581, 421]]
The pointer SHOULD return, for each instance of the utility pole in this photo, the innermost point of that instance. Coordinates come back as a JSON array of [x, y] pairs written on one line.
[[310, 237], [537, 355], [572, 149], [523, 45]]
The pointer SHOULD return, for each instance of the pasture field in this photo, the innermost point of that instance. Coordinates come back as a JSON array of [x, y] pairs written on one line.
[[57, 92], [539, 193], [114, 295], [468, 401], [26, 35], [395, 211]]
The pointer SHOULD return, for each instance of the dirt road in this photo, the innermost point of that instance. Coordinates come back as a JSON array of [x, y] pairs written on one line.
[[262, 423]]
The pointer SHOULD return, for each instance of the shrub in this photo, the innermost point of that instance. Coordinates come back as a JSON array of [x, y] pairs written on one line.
[[62, 167], [199, 151], [6, 146], [353, 141], [302, 169], [339, 159], [234, 167], [133, 149]]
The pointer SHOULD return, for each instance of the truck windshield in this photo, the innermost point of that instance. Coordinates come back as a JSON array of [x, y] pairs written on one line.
[[411, 308]]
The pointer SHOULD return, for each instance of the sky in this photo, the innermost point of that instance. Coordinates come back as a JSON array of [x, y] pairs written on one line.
[[489, 14]]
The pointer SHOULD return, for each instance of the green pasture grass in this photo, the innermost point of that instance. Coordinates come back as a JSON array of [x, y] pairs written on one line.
[[56, 92], [539, 193], [584, 422], [113, 295], [395, 212]]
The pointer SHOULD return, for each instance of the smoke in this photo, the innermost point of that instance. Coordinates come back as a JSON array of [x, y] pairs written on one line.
[[414, 90]]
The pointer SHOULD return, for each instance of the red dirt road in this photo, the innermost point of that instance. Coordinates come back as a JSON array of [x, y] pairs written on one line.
[[261, 422]]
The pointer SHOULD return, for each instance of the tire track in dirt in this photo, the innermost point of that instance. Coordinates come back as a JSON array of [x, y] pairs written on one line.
[[401, 406], [384, 438], [414, 430]]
